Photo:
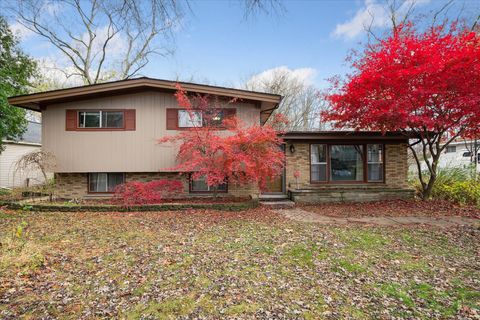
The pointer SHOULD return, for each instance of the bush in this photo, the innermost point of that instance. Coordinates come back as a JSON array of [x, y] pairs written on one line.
[[455, 184], [134, 192], [461, 192]]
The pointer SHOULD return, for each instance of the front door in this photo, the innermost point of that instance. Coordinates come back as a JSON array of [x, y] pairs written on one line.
[[277, 184]]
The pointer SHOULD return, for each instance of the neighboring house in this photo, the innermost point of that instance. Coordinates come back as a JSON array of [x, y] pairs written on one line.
[[460, 153], [105, 134], [14, 150]]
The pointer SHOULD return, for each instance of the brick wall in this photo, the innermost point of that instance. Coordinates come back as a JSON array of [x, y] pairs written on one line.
[[396, 167], [75, 185]]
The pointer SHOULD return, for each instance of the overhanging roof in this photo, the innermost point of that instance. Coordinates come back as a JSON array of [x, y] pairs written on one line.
[[35, 101], [346, 135]]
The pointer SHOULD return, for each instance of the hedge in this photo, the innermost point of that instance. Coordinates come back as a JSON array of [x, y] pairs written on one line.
[[232, 206]]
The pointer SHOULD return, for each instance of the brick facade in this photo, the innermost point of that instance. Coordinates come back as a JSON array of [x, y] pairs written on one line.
[[395, 186], [75, 185]]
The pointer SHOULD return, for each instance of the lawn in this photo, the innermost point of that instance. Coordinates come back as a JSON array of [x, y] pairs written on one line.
[[210, 265]]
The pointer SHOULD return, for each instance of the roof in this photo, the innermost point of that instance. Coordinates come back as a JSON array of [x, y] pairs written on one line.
[[35, 101], [33, 134], [345, 135]]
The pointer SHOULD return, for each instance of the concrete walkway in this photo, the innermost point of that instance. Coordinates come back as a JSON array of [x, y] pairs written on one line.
[[301, 215]]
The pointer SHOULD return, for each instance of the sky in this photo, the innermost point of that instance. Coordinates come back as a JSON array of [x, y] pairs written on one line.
[[216, 44]]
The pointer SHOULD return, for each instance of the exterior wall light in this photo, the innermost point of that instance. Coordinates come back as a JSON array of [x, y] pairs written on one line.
[[292, 148]]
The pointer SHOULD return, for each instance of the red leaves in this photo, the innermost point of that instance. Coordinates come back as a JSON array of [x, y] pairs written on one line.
[[135, 192], [240, 154], [419, 81]]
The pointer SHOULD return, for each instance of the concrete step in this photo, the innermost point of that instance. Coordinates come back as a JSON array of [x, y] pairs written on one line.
[[283, 204], [273, 197]]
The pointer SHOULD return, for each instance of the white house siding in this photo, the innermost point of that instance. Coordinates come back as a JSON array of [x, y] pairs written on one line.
[[12, 153]]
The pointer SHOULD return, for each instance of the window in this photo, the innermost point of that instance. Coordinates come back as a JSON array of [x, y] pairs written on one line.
[[214, 117], [104, 182], [318, 158], [467, 154], [100, 119], [200, 185], [375, 162], [451, 149], [346, 163], [189, 119]]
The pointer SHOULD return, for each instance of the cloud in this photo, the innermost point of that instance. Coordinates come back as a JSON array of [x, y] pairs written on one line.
[[301, 75], [21, 31], [373, 14]]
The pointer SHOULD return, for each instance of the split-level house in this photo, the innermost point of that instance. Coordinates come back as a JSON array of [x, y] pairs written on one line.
[[106, 134]]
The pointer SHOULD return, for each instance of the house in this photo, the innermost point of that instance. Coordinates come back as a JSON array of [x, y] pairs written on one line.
[[105, 134], [14, 150], [460, 153]]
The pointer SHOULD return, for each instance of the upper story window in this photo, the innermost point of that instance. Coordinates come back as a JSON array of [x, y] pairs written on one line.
[[189, 119], [184, 119], [451, 149], [101, 119]]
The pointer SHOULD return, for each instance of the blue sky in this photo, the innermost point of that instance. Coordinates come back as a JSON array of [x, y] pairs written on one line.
[[217, 45], [225, 48]]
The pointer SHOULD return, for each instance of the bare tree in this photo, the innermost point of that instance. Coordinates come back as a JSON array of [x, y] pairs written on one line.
[[302, 103], [42, 161], [102, 39], [252, 7], [397, 12]]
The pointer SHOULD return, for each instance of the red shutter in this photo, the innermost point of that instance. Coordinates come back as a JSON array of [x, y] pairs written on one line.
[[71, 120], [129, 118], [172, 119], [229, 113]]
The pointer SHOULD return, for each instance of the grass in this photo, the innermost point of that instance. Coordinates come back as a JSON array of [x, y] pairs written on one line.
[[252, 264]]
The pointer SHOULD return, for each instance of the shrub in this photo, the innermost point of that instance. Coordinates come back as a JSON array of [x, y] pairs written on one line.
[[455, 184], [462, 192], [134, 192]]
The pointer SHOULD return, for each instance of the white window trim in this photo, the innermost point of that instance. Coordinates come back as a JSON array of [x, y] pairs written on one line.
[[192, 124], [83, 114]]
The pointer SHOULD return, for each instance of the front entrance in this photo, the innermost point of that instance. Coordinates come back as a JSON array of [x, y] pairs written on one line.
[[277, 185]]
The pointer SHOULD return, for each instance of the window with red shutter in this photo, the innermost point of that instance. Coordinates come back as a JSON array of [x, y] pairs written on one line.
[[172, 119], [71, 120], [130, 119]]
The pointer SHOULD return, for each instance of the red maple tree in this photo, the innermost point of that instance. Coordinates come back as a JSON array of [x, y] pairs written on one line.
[[425, 83], [226, 151]]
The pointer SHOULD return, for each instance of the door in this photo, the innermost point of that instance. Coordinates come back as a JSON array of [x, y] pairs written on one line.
[[277, 184]]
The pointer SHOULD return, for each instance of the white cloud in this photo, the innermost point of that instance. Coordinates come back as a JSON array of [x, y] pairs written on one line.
[[21, 31], [301, 75], [56, 74], [373, 14]]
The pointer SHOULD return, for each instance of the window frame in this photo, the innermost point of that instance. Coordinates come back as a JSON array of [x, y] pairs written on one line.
[[190, 189], [449, 148], [364, 145], [103, 192], [187, 110], [375, 162], [327, 163], [122, 128]]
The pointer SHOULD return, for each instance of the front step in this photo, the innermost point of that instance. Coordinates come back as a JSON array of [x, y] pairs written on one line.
[[272, 197], [282, 204]]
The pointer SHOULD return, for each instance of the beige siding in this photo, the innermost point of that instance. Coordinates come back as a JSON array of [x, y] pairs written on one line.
[[119, 151], [8, 177]]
